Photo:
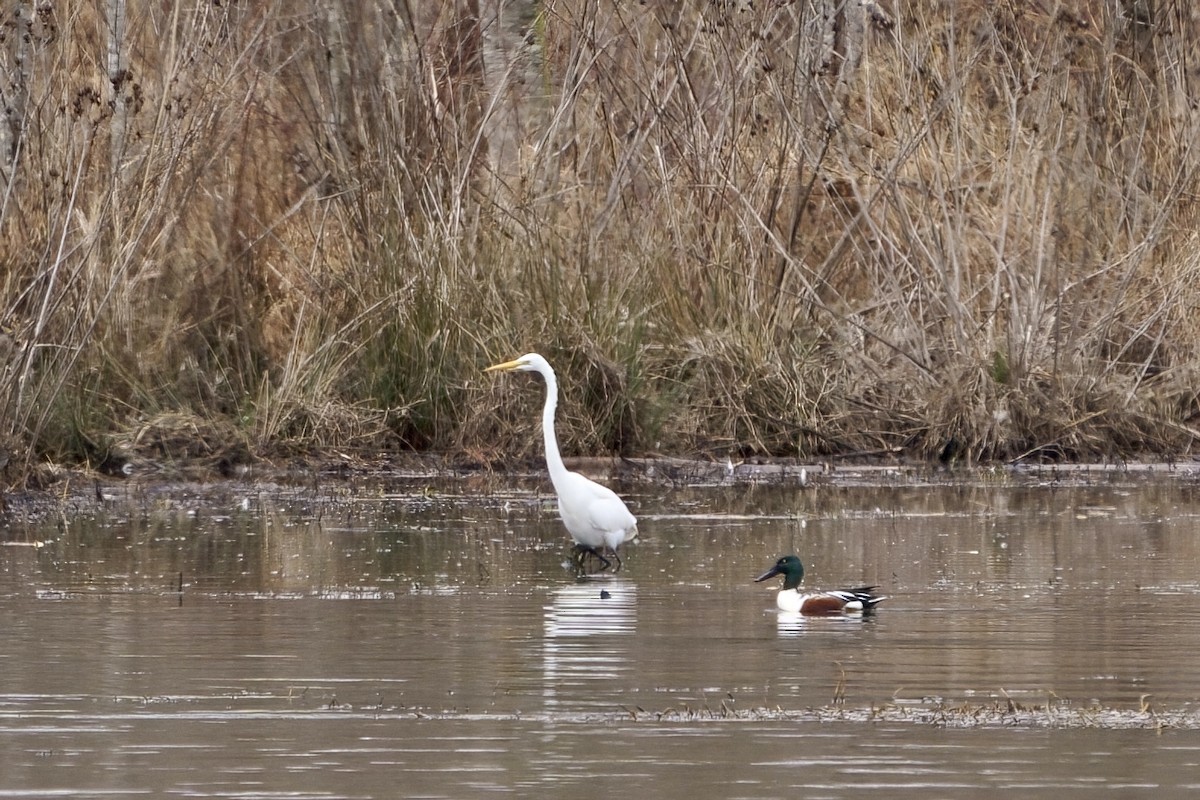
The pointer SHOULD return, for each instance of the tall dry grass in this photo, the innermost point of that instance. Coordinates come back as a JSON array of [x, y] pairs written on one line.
[[962, 228]]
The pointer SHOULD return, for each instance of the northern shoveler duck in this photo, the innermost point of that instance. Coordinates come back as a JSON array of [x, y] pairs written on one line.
[[852, 601]]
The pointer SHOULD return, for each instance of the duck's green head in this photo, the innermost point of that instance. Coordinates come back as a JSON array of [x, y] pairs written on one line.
[[789, 567]]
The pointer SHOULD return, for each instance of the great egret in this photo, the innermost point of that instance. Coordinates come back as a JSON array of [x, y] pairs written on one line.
[[595, 516], [852, 601]]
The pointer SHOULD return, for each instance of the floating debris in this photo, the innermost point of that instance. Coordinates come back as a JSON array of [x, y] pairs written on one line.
[[1001, 713]]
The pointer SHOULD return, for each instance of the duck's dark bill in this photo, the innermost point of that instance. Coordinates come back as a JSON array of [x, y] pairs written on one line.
[[771, 573]]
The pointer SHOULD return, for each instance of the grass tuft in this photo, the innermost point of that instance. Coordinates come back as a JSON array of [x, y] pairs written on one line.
[[963, 231]]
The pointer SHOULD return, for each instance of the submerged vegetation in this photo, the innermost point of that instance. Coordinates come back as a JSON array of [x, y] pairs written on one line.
[[955, 229]]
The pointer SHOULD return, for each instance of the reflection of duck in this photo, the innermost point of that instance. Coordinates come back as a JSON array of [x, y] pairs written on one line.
[[584, 629], [852, 601], [793, 623]]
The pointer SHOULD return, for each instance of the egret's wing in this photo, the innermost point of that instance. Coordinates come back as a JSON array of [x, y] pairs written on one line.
[[605, 510], [593, 514], [608, 513]]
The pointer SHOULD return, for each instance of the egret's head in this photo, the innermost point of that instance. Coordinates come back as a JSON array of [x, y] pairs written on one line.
[[530, 362], [789, 567]]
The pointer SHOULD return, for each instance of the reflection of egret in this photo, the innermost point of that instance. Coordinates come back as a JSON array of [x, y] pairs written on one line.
[[595, 517], [583, 629], [838, 601]]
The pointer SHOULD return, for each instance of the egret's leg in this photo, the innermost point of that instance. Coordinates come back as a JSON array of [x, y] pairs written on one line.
[[617, 557], [606, 563], [582, 551]]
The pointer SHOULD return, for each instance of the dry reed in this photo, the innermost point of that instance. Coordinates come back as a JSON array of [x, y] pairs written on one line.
[[957, 229]]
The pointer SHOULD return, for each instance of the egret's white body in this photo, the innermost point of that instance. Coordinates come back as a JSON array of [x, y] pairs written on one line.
[[594, 515]]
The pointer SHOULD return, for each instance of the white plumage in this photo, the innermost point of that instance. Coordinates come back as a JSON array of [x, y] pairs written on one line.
[[595, 516]]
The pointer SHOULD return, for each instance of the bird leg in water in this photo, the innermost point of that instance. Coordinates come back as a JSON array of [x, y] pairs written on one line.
[[583, 551], [616, 556]]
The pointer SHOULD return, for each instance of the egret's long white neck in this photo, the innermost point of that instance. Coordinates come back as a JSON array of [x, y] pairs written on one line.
[[554, 460]]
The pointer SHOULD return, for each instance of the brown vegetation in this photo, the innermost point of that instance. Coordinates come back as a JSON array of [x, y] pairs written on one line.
[[789, 228]]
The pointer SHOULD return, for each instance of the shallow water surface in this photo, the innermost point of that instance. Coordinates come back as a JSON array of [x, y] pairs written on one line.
[[436, 643]]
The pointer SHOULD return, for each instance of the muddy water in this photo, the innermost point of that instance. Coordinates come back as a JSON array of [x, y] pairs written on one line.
[[433, 643]]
